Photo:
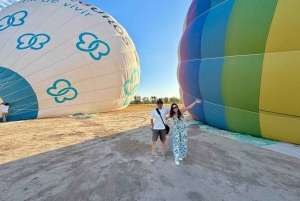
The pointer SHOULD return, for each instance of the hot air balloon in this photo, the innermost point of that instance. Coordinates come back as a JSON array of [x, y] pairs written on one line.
[[60, 57], [242, 59]]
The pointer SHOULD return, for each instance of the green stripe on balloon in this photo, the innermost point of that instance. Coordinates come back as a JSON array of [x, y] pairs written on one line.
[[240, 89], [249, 26]]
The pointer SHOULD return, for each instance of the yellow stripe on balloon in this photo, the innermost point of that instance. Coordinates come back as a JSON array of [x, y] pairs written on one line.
[[280, 95], [285, 28], [280, 127]]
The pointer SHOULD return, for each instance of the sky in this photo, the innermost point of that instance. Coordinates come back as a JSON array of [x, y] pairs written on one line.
[[155, 27]]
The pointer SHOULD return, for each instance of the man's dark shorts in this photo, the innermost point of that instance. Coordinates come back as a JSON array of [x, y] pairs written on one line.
[[161, 133]]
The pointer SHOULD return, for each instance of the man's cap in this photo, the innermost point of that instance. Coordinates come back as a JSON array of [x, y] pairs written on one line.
[[159, 101]]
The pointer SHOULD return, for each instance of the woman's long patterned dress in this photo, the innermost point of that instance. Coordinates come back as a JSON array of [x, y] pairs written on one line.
[[179, 138]]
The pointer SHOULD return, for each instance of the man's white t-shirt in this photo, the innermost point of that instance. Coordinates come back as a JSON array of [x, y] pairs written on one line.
[[158, 124], [4, 108]]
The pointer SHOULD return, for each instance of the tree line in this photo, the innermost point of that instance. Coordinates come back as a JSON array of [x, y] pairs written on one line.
[[152, 100]]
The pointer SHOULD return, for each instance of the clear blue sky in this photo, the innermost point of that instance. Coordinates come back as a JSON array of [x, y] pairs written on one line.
[[155, 27]]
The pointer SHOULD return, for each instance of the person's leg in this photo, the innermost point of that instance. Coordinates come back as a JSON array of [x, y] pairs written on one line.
[[163, 143], [176, 146], [153, 147], [163, 140], [154, 140], [4, 117], [183, 144], [163, 146]]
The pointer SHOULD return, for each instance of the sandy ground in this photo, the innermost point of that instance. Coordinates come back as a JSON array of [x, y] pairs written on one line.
[[107, 158], [27, 138]]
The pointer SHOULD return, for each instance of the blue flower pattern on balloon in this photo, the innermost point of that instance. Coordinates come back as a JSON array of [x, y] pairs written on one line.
[[16, 19], [127, 83], [93, 46], [62, 92], [36, 42]]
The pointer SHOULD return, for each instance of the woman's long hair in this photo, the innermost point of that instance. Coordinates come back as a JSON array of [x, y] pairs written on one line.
[[172, 112]]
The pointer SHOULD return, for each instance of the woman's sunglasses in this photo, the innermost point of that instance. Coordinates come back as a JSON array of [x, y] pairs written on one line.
[[174, 107]]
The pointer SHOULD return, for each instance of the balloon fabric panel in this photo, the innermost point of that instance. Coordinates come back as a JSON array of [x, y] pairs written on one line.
[[248, 66]]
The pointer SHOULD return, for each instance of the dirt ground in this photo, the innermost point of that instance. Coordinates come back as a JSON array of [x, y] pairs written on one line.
[[27, 138], [107, 158]]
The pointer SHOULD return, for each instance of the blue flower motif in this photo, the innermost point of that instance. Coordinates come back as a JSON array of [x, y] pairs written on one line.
[[61, 92], [36, 42], [16, 19], [93, 46]]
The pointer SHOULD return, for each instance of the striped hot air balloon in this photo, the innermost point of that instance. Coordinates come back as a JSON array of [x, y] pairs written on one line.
[[242, 58]]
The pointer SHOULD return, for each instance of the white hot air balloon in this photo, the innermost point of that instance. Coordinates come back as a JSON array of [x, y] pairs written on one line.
[[60, 57]]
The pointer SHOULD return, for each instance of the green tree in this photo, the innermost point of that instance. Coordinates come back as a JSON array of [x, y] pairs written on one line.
[[145, 100], [166, 99], [137, 99], [175, 100], [153, 99]]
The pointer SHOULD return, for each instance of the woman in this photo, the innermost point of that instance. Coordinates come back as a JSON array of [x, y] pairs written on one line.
[[179, 131]]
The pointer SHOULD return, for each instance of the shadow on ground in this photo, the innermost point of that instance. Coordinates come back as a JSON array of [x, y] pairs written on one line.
[[117, 168]]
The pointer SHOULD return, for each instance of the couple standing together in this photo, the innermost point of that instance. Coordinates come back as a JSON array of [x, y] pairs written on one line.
[[179, 129]]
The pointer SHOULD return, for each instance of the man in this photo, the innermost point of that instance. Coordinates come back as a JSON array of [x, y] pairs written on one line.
[[158, 128], [4, 107]]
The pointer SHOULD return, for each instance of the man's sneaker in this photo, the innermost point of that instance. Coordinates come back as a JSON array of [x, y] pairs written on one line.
[[152, 159], [180, 159], [177, 162], [164, 157]]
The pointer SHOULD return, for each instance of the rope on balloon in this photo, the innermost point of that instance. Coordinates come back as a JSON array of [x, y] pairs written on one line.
[[6, 81], [21, 109]]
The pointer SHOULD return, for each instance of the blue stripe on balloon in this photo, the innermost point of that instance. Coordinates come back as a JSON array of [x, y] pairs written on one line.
[[192, 80], [198, 111], [191, 13], [210, 77], [202, 6], [16, 91], [197, 8], [217, 2], [215, 115], [214, 33], [194, 38]]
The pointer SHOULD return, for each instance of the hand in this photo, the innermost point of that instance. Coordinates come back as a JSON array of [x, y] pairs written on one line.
[[198, 101]]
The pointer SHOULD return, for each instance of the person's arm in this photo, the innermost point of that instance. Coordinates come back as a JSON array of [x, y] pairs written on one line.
[[152, 124], [168, 117], [183, 110], [151, 119]]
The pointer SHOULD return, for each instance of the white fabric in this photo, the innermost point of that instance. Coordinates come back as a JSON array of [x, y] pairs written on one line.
[[4, 108], [94, 58], [158, 124]]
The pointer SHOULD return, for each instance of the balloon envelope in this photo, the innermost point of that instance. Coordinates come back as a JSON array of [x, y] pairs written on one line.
[[242, 58], [64, 57]]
